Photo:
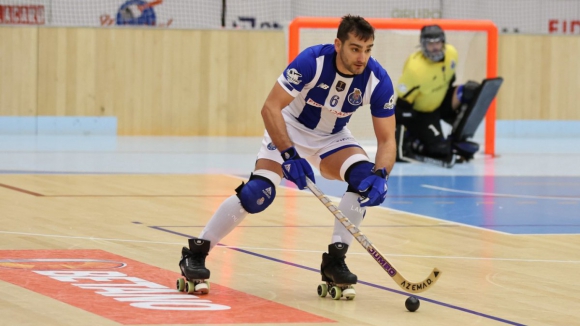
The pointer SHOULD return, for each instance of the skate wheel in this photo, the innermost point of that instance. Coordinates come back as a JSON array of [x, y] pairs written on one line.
[[322, 290], [335, 292], [189, 287], [349, 293], [180, 284], [202, 288], [207, 283]]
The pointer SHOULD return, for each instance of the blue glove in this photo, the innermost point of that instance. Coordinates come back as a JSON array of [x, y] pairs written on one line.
[[374, 188], [295, 168]]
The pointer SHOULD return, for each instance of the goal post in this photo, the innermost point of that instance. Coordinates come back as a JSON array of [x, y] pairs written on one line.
[[301, 24]]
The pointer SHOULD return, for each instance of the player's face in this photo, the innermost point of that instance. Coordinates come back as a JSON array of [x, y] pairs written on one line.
[[353, 55], [434, 47]]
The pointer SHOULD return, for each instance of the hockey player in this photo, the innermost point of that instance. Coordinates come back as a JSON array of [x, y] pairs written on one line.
[[426, 95], [305, 116]]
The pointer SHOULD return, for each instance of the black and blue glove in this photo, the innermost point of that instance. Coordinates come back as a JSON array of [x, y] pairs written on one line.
[[374, 188], [295, 168]]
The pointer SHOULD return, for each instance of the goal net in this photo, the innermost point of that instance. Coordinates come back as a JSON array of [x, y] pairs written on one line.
[[395, 39]]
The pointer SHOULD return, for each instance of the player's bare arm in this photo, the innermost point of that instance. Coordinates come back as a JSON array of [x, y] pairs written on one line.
[[277, 100], [386, 144]]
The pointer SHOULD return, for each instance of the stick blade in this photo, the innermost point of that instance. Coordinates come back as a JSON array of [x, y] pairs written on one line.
[[418, 287]]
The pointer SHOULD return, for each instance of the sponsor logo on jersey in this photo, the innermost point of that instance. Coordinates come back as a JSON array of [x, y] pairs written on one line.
[[337, 113], [311, 102], [293, 76], [340, 86], [355, 98], [391, 104], [323, 86], [271, 146]]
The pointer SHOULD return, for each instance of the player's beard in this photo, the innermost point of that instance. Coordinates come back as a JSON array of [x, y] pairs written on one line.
[[351, 67]]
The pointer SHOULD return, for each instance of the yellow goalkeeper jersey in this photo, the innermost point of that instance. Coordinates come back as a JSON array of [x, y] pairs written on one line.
[[424, 82]]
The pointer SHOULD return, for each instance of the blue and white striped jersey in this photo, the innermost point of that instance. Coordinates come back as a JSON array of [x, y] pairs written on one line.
[[325, 99]]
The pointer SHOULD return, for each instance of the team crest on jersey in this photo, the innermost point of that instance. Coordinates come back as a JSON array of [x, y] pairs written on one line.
[[293, 76], [355, 98], [340, 86], [271, 146], [452, 64]]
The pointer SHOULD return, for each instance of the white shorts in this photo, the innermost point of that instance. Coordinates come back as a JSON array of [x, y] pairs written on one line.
[[310, 146]]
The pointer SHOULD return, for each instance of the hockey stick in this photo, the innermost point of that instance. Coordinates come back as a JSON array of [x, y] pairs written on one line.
[[371, 249]]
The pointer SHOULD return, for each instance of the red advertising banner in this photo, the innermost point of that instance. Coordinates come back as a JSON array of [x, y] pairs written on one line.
[[133, 293], [22, 15]]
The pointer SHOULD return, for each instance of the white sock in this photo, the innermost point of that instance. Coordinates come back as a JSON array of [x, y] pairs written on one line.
[[350, 207], [224, 220]]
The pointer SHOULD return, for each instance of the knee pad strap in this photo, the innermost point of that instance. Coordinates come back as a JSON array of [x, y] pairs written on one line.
[[256, 195], [356, 173]]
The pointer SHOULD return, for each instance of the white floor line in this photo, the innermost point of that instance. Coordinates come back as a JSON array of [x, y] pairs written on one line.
[[290, 250], [491, 194]]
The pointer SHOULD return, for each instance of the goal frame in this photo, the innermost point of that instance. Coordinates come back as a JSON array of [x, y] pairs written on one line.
[[486, 26]]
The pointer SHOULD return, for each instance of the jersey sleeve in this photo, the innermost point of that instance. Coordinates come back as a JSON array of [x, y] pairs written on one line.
[[298, 73], [383, 98]]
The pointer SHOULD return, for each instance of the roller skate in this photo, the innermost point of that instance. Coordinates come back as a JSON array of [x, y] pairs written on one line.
[[336, 275], [192, 265]]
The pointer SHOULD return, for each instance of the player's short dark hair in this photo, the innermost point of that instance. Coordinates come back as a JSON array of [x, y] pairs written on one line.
[[357, 25]]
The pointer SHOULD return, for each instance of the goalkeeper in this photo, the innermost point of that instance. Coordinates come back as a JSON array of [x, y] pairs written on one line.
[[426, 95]]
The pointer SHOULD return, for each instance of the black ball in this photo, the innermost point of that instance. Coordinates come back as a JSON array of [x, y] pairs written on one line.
[[412, 303]]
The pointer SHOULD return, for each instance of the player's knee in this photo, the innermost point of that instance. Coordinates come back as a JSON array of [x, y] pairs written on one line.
[[259, 192], [467, 91], [356, 173]]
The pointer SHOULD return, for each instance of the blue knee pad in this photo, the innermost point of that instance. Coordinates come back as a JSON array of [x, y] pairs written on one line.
[[356, 173], [256, 195]]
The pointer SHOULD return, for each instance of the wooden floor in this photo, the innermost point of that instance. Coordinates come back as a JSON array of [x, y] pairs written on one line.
[[55, 227]]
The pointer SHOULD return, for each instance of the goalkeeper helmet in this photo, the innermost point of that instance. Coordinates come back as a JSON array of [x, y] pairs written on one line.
[[433, 34]]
